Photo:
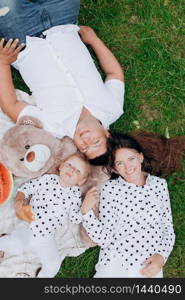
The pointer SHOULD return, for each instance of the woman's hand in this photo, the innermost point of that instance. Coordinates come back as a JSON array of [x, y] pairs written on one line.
[[91, 200], [88, 35], [153, 265], [9, 52]]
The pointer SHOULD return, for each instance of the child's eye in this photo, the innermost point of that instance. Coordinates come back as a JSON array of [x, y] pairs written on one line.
[[78, 171]]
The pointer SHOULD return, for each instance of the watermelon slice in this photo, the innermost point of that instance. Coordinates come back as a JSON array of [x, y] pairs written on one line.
[[6, 184]]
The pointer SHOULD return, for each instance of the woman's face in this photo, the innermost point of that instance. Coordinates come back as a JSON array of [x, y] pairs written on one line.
[[128, 164]]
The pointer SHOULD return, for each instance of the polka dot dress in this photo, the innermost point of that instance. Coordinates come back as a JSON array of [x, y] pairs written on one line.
[[135, 222], [51, 204]]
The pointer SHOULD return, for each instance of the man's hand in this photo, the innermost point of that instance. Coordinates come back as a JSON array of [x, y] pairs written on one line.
[[108, 62], [9, 52], [88, 35], [153, 266], [91, 200]]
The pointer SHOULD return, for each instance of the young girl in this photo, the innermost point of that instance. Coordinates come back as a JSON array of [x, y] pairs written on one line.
[[134, 230], [54, 200]]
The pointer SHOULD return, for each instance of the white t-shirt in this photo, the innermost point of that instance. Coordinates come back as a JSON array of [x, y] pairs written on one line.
[[63, 79]]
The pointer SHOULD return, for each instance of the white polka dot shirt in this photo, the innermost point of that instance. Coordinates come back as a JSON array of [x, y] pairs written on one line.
[[134, 222], [52, 205]]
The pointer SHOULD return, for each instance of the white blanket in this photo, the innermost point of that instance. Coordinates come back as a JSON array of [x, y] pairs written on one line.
[[68, 238]]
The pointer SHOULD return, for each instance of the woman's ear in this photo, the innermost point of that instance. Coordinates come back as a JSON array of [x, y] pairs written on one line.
[[141, 157]]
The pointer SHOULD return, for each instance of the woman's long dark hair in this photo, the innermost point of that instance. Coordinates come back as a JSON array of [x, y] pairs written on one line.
[[162, 156], [165, 154]]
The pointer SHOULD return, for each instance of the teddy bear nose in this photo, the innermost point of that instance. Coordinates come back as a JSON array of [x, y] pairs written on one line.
[[30, 156], [36, 157]]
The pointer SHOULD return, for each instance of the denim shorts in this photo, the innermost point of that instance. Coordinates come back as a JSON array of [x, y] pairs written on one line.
[[19, 18]]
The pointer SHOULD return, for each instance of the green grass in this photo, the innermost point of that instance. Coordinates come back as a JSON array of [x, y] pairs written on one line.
[[148, 38]]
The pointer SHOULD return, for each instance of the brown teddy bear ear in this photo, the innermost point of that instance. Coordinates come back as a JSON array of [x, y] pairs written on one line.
[[27, 120]]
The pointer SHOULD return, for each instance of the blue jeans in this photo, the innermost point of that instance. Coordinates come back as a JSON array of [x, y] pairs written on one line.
[[19, 18]]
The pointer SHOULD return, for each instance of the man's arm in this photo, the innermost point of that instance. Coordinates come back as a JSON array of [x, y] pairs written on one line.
[[8, 101], [108, 62]]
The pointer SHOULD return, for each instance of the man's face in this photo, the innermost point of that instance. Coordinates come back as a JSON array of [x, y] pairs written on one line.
[[91, 138]]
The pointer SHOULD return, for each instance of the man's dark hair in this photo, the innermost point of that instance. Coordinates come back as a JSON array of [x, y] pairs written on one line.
[[101, 160]]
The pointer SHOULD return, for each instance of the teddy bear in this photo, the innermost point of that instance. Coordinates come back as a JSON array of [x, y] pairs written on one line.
[[29, 151]]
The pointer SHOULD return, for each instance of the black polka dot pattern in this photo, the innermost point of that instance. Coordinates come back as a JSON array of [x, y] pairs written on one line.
[[135, 222], [52, 205]]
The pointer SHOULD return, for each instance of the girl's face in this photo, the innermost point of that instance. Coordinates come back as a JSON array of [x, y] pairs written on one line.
[[128, 164], [73, 171]]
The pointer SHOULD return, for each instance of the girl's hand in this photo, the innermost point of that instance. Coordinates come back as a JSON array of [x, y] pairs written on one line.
[[9, 52], [153, 266], [88, 35], [91, 200], [24, 213]]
